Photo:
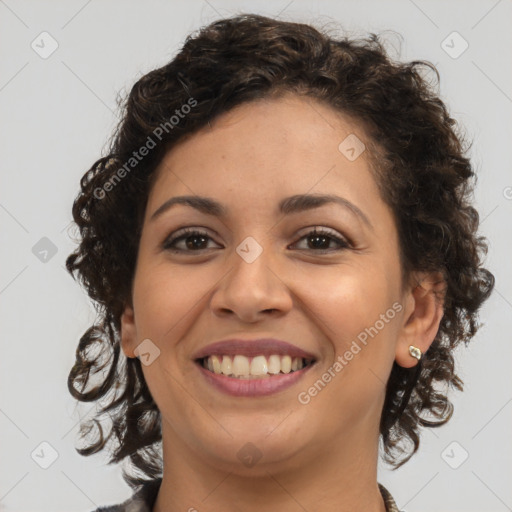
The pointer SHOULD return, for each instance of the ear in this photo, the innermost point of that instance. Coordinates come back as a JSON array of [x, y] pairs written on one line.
[[423, 313], [128, 332]]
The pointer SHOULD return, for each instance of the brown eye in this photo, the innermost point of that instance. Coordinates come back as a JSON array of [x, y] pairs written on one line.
[[194, 239], [320, 239]]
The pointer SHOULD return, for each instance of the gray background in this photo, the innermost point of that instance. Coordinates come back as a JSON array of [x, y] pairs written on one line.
[[57, 113]]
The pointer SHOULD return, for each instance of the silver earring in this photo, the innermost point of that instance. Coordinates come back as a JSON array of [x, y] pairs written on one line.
[[415, 352]]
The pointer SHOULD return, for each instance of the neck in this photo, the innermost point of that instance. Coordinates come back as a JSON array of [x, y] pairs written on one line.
[[340, 479]]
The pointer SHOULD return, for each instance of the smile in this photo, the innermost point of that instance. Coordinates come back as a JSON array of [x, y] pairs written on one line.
[[259, 375], [242, 367]]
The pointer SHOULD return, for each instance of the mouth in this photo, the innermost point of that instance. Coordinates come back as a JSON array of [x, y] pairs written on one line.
[[253, 367], [256, 367]]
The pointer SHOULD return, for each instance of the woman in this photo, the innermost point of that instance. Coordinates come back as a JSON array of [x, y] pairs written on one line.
[[284, 253]]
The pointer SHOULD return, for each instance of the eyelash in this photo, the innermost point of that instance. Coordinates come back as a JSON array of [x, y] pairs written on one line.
[[189, 232]]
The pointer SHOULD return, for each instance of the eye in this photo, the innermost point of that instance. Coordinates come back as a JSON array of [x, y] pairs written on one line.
[[322, 237], [196, 240]]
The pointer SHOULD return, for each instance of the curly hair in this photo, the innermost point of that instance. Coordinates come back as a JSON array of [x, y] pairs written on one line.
[[421, 172]]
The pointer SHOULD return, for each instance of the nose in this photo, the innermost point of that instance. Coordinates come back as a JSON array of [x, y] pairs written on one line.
[[250, 289]]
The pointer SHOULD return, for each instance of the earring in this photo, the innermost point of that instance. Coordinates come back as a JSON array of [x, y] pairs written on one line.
[[415, 352]]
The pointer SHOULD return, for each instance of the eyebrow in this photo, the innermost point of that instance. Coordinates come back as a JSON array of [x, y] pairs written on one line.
[[289, 205]]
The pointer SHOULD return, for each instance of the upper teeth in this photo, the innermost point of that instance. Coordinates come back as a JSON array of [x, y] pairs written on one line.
[[242, 366]]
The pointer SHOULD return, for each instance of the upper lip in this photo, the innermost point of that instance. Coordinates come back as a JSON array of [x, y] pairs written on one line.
[[252, 348]]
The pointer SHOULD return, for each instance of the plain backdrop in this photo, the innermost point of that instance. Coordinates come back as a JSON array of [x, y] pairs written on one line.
[[57, 112]]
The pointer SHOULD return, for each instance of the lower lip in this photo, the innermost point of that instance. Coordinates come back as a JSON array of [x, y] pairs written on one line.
[[253, 387]]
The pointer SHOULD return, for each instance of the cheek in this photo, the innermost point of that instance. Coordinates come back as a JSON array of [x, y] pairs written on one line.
[[356, 314], [166, 301], [347, 301], [163, 297]]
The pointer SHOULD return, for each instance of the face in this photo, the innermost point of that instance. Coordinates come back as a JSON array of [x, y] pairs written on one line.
[[255, 272]]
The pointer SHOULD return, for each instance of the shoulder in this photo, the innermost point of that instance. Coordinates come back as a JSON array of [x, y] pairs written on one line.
[[112, 508], [389, 502], [142, 500]]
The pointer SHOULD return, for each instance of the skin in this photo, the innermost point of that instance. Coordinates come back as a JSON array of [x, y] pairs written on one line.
[[316, 456]]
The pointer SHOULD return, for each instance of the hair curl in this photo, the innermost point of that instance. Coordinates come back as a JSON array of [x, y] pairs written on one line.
[[421, 173]]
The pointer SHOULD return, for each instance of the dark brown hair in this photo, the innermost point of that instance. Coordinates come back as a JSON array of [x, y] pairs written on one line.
[[421, 172]]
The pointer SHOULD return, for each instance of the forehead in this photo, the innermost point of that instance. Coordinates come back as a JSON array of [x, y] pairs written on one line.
[[265, 149]]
